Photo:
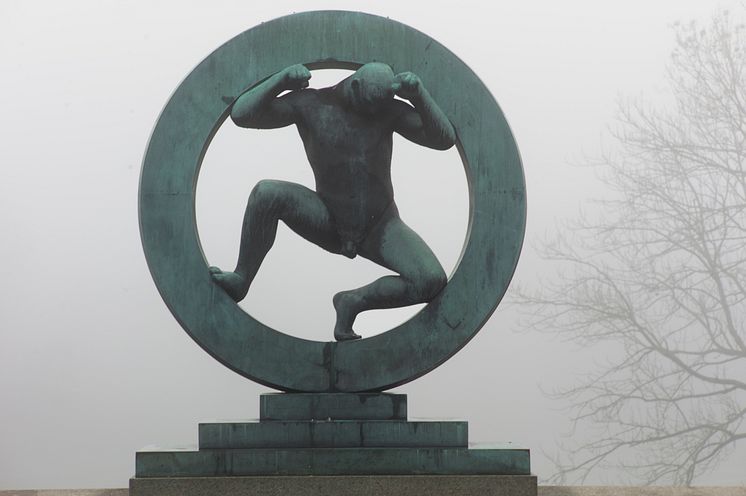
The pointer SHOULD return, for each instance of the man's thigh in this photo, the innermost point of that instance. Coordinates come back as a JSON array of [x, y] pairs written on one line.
[[394, 245], [305, 213]]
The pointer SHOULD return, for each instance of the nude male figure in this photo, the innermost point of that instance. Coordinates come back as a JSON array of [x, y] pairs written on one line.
[[347, 131]]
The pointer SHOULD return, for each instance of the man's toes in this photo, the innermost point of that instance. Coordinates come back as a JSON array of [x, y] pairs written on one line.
[[215, 270], [346, 336]]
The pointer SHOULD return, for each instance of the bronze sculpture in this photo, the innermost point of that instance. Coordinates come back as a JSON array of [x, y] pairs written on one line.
[[281, 360], [347, 131]]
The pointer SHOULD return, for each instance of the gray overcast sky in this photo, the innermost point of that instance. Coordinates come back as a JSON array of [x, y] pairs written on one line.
[[92, 365]]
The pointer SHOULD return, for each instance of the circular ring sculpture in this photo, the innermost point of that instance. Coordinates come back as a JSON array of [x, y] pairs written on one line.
[[322, 40]]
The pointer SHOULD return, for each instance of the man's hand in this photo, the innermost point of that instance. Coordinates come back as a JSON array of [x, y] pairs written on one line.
[[408, 85], [296, 77]]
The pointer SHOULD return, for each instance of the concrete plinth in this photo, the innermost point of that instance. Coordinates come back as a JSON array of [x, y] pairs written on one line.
[[410, 485], [503, 460], [333, 406], [335, 438], [333, 434]]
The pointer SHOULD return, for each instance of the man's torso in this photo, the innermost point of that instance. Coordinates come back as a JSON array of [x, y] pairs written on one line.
[[350, 154]]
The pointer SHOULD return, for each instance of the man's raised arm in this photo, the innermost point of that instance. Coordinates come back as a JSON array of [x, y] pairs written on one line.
[[428, 126], [259, 108]]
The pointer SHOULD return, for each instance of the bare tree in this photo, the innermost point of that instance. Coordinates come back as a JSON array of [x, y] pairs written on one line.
[[660, 273]]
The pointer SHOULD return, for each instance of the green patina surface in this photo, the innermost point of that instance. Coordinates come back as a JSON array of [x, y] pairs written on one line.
[[333, 406], [211, 317], [333, 434], [333, 461]]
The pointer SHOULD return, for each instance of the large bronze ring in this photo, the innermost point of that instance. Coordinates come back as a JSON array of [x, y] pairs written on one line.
[[328, 40]]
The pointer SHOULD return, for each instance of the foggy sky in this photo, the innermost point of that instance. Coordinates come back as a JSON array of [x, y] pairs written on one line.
[[92, 364]]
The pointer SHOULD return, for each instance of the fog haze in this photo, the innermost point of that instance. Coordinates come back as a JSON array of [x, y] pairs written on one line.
[[92, 364]]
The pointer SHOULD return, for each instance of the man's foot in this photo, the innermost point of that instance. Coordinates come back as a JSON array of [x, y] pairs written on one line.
[[232, 283], [344, 303]]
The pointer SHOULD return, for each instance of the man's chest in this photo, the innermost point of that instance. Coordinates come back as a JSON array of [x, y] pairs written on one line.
[[337, 130]]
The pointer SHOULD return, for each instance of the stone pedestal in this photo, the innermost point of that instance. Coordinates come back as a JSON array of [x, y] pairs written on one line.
[[357, 485], [334, 444]]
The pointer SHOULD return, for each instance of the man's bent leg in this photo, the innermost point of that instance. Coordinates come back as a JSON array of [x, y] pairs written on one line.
[[271, 201], [395, 246]]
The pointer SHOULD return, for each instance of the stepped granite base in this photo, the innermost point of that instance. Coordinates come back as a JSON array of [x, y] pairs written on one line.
[[334, 443]]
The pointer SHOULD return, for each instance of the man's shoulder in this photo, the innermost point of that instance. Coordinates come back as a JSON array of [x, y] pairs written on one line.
[[397, 108], [400, 105], [312, 94], [309, 97], [299, 95]]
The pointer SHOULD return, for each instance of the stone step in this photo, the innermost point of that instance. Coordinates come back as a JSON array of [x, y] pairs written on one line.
[[387, 485], [333, 406], [333, 434], [505, 460]]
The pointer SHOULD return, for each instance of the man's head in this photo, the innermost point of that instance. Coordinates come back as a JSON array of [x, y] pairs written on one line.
[[372, 85]]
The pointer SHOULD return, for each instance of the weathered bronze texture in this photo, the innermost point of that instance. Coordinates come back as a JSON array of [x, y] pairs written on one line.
[[203, 101], [347, 131]]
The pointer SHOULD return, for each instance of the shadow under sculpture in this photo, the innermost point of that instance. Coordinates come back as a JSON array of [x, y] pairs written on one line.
[[347, 131]]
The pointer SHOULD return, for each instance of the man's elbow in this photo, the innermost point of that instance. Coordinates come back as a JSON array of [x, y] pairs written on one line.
[[244, 111], [241, 119], [446, 140]]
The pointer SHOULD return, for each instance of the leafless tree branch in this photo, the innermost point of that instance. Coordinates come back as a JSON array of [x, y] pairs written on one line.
[[661, 274]]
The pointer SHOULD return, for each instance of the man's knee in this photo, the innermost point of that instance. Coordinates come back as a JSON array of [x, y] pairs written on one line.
[[266, 195], [430, 282]]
